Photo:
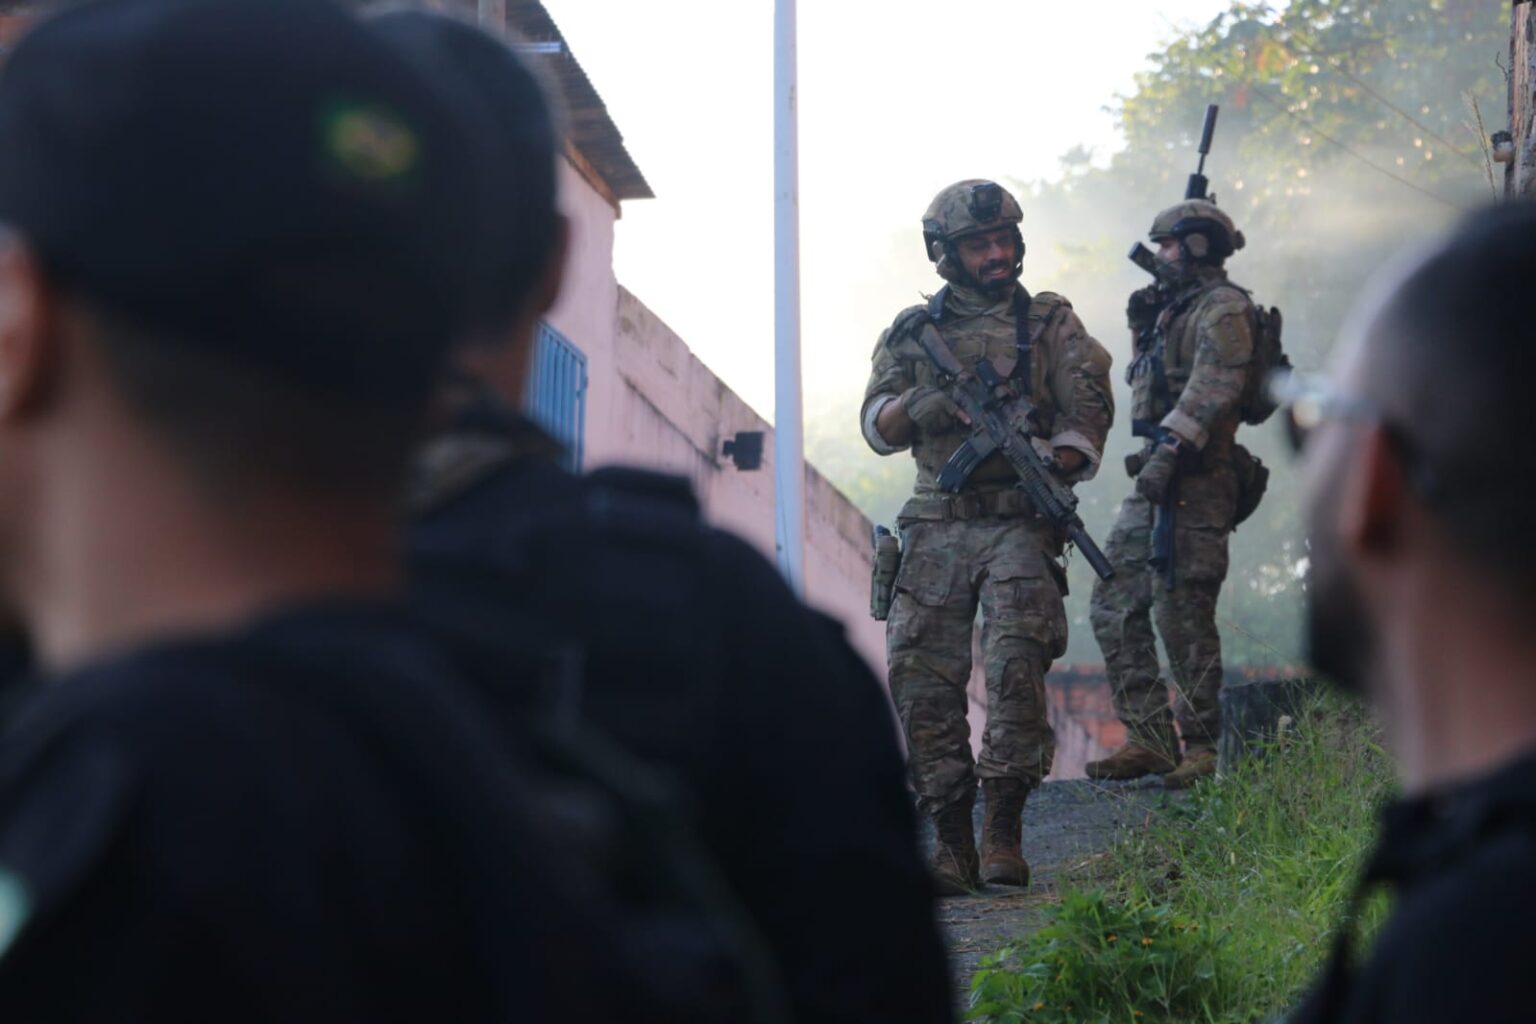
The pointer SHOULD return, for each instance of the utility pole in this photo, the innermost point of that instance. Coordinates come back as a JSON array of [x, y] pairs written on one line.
[[788, 438], [1518, 153]]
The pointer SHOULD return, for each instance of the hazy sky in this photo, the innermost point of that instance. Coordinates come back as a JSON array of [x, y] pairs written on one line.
[[898, 98]]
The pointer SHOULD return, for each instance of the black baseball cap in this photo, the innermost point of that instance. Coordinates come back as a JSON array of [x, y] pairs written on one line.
[[265, 178], [511, 122]]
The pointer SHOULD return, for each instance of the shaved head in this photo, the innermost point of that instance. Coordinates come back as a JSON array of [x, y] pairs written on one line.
[[1443, 353], [1449, 353]]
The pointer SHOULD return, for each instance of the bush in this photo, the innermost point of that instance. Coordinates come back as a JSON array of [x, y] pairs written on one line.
[[1256, 866]]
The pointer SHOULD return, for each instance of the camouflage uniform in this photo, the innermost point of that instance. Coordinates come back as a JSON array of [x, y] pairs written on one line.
[[1204, 344], [984, 546]]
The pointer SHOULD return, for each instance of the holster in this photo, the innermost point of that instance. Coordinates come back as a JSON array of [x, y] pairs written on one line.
[[883, 571], [1252, 482], [1134, 461]]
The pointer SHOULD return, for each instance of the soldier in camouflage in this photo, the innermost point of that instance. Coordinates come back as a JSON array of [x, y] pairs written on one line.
[[984, 546], [1194, 351]]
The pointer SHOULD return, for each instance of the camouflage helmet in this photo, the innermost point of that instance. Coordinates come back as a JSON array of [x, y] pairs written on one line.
[[965, 208], [1199, 217]]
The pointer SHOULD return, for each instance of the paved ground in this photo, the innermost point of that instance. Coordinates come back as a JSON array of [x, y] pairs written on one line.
[[1067, 827]]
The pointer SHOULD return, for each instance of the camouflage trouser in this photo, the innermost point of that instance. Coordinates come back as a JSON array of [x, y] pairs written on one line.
[[1123, 609], [947, 570]]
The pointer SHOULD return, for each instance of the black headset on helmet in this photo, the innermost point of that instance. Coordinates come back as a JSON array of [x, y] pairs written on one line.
[[986, 205], [1219, 243]]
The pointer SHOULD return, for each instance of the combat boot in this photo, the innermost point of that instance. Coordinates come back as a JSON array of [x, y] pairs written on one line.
[[955, 868], [1199, 763], [1132, 761], [1002, 862]]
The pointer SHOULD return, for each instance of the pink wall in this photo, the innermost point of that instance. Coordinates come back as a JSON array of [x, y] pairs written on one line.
[[650, 402], [671, 412], [588, 303]]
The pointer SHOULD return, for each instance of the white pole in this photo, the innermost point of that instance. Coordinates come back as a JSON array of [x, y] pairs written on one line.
[[789, 445]]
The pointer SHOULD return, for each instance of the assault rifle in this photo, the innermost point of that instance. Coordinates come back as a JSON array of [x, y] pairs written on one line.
[[1198, 187], [1143, 258], [985, 398], [1165, 520]]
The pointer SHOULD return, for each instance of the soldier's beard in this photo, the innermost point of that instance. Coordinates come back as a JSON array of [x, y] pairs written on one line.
[[1341, 641], [999, 286], [1179, 270]]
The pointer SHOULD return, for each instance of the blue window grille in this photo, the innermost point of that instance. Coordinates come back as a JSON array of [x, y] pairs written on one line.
[[557, 392]]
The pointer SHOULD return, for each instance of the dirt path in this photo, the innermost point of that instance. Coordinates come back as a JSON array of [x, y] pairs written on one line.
[[1067, 827]]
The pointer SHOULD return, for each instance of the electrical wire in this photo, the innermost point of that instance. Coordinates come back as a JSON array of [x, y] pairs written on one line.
[[1389, 104], [1310, 126]]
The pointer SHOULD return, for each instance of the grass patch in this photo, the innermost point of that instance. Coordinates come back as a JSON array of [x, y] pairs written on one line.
[[1239, 890]]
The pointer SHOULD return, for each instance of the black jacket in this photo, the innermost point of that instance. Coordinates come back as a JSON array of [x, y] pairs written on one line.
[[695, 657], [1458, 945], [305, 820]]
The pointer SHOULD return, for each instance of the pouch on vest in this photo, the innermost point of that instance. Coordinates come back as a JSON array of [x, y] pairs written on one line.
[[1257, 404], [1252, 482]]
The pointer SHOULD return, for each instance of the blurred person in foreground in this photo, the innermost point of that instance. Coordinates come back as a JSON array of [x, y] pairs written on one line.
[[693, 655], [247, 792], [1422, 596]]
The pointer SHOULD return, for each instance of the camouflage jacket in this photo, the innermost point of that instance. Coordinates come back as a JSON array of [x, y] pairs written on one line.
[[1202, 350], [1068, 374]]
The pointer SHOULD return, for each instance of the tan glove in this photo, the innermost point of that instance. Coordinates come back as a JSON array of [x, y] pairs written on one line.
[[931, 409], [1155, 476]]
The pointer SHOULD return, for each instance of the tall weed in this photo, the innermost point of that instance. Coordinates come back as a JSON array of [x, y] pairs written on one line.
[[1239, 887]]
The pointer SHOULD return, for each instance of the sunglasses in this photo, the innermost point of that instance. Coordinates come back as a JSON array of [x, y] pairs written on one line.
[[1307, 401]]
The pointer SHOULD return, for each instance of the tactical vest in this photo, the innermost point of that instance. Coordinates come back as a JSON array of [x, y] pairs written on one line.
[[1012, 345], [1163, 364]]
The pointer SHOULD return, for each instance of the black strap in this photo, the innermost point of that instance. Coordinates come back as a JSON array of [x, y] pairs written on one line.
[[936, 304], [1156, 361], [1021, 370], [1161, 392]]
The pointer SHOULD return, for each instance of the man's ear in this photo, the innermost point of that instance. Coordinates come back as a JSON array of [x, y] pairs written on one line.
[[28, 315], [1372, 508], [552, 280]]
